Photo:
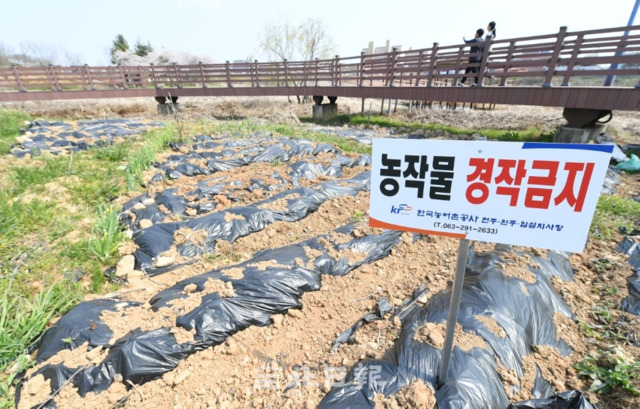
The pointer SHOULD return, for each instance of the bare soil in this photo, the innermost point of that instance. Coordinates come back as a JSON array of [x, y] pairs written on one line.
[[254, 367]]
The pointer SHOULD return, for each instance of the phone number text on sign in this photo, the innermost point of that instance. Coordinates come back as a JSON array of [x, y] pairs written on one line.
[[548, 189], [464, 228]]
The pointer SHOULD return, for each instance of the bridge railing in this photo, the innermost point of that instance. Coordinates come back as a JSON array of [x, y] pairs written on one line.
[[558, 59]]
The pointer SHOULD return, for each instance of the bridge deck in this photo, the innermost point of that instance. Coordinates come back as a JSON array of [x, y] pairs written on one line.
[[546, 70]]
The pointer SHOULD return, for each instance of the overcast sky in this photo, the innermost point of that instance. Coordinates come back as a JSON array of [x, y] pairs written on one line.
[[231, 29]]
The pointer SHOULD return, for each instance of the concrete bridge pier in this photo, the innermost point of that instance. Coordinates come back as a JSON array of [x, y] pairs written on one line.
[[323, 112], [169, 108], [583, 126]]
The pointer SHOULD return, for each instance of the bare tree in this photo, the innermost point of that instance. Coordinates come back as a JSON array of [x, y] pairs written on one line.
[[306, 41], [280, 41], [5, 55], [38, 55], [314, 41]]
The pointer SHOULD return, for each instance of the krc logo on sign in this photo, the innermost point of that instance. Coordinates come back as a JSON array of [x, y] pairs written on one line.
[[401, 209]]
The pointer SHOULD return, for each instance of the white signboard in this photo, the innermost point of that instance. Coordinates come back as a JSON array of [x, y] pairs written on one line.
[[529, 194]]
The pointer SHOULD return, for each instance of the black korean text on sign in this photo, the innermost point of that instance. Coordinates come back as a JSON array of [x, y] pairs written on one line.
[[441, 177], [415, 178], [390, 169], [413, 169]]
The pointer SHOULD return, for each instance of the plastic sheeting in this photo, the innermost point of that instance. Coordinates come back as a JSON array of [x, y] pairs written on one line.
[[611, 180], [221, 155], [565, 400], [144, 355], [210, 155], [630, 165], [348, 334], [525, 312], [197, 207], [631, 247], [158, 238], [62, 137], [80, 325]]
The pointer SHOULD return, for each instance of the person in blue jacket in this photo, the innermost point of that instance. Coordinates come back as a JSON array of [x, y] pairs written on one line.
[[476, 49]]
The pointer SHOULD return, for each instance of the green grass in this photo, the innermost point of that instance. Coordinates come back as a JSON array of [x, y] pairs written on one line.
[[23, 319], [140, 159], [11, 121], [530, 134], [107, 233], [56, 222], [613, 214]]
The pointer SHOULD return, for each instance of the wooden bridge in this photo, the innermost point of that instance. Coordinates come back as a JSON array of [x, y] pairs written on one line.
[[564, 69]]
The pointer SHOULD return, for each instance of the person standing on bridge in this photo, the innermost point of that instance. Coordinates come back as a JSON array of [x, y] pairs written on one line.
[[491, 31], [475, 57]]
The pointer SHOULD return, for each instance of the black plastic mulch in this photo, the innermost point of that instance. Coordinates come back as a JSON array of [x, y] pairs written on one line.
[[62, 137]]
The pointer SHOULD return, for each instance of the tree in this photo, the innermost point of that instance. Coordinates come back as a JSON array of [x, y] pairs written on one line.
[[119, 44], [36, 55], [5, 55], [314, 40], [279, 41], [161, 57], [141, 50], [307, 41]]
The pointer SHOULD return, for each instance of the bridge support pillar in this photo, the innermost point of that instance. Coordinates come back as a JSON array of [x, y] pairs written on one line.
[[583, 126], [323, 112], [169, 108]]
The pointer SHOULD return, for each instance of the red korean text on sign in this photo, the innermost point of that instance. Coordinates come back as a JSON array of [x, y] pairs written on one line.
[[538, 176]]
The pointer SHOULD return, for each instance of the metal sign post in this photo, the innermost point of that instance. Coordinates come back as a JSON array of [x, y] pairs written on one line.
[[454, 306]]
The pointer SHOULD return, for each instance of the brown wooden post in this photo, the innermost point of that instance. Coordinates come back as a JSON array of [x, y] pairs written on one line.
[[123, 77], [204, 80], [334, 72], [419, 69], [338, 71], [316, 72], [153, 76], [484, 61], [83, 77], [50, 77], [305, 73], [507, 64], [144, 76], [228, 72], [392, 67], [257, 73], [55, 78], [458, 63], [278, 74], [432, 64], [572, 61], [286, 73], [112, 79], [16, 74], [361, 79], [553, 61], [178, 73], [251, 74]]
